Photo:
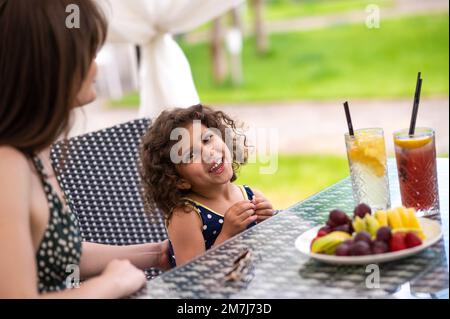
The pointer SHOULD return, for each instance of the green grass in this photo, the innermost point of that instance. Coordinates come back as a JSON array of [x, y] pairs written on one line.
[[297, 177], [341, 62], [287, 9]]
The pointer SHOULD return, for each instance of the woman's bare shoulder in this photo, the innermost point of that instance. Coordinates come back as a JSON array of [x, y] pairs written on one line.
[[15, 170], [12, 158]]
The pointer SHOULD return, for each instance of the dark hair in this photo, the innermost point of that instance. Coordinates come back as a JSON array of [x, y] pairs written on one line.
[[158, 172], [42, 67]]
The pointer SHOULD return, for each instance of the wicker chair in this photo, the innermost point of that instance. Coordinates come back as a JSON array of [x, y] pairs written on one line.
[[98, 173]]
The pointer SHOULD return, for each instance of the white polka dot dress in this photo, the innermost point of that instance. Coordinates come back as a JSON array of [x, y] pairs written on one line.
[[61, 244]]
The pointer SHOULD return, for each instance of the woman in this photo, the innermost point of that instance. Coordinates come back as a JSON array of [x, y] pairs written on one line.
[[46, 70]]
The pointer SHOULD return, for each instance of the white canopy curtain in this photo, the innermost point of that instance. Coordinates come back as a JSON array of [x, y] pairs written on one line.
[[165, 78]]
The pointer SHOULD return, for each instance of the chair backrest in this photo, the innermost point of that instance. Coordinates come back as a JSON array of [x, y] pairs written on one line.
[[99, 175]]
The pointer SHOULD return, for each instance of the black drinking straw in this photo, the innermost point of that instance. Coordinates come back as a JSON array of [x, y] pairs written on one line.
[[412, 126], [349, 119]]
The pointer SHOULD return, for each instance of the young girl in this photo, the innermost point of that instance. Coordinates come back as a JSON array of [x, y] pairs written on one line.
[[188, 172]]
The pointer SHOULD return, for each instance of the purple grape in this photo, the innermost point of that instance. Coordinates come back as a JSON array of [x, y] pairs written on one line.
[[363, 236], [380, 247], [345, 228], [350, 225], [343, 250], [360, 248], [348, 242], [338, 217], [384, 234], [361, 210], [331, 224]]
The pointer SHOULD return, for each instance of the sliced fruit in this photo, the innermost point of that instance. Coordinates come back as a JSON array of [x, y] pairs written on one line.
[[372, 225], [417, 231], [359, 225], [370, 151], [382, 218], [413, 220], [313, 241], [397, 242], [404, 220], [404, 216], [412, 240], [328, 244], [411, 143], [394, 219]]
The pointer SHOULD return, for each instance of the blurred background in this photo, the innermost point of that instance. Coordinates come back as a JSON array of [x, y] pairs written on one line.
[[289, 65]]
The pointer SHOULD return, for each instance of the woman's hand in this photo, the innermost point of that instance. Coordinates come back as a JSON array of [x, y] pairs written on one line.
[[126, 278], [163, 261], [238, 217], [263, 208]]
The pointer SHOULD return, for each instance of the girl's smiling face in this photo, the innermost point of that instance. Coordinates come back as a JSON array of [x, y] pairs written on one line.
[[206, 159]]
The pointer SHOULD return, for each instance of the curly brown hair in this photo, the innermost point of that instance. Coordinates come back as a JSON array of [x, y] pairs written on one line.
[[158, 173]]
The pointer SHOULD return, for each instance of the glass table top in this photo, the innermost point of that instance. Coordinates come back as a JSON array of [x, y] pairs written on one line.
[[278, 270]]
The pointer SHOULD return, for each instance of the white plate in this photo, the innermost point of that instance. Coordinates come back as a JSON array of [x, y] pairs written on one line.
[[431, 228]]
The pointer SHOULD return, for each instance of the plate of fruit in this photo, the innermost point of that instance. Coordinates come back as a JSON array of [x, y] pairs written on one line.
[[367, 238]]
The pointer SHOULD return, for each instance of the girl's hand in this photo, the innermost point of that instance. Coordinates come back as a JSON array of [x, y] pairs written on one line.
[[126, 278], [238, 217], [264, 209]]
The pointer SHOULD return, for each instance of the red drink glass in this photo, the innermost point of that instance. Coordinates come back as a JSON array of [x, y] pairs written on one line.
[[416, 163]]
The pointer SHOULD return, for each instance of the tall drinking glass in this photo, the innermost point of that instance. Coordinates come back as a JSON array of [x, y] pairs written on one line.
[[366, 153], [417, 172]]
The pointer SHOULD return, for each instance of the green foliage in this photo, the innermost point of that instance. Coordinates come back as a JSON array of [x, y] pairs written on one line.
[[340, 62]]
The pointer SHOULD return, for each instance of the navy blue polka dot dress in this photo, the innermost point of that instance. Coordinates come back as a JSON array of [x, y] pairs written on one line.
[[212, 222]]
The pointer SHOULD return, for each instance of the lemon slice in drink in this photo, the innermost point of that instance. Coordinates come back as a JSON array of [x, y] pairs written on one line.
[[369, 150], [413, 142]]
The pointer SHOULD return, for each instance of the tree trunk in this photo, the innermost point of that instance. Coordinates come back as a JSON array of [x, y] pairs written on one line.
[[262, 42], [219, 63], [237, 77]]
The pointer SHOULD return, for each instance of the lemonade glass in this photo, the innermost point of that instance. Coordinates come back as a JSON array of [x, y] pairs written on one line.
[[366, 153]]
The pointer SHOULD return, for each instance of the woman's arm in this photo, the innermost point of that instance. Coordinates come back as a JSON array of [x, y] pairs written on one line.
[[18, 274], [185, 232], [18, 271], [96, 256]]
